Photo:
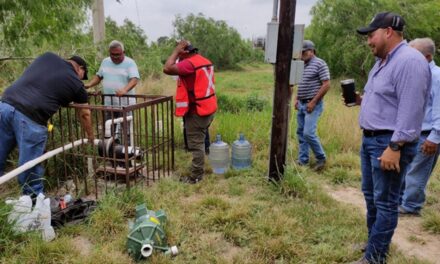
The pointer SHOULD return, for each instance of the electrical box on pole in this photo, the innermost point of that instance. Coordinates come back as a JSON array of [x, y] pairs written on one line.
[[270, 52]]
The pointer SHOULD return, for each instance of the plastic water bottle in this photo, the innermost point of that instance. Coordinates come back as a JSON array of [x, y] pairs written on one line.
[[241, 153], [219, 156]]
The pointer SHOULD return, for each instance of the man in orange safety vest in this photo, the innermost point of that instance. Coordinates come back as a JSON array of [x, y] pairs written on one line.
[[195, 98]]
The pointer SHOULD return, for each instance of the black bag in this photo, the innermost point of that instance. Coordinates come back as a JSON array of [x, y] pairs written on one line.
[[74, 213]]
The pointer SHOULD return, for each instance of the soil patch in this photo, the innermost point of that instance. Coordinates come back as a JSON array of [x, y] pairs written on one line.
[[409, 236]]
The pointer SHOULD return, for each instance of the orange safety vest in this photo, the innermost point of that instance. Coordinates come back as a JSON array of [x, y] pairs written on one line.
[[204, 89]]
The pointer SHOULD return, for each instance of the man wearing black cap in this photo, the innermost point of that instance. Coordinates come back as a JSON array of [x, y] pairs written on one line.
[[26, 106], [195, 98], [391, 115], [311, 90]]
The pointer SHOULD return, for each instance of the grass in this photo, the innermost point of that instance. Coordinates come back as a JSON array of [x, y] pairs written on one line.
[[238, 217]]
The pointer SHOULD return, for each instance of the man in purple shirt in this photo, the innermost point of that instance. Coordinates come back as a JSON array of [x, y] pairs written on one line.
[[392, 111]]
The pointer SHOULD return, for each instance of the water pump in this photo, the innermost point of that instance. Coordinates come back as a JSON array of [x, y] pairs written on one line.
[[111, 148], [147, 234]]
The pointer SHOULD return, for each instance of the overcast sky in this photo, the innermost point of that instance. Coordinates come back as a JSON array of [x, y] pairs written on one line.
[[249, 17]]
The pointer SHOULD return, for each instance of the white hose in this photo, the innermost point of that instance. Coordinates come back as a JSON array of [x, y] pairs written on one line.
[[6, 177]]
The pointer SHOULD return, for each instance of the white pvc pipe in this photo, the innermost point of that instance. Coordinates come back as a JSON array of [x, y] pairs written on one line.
[[146, 250], [110, 122], [8, 176]]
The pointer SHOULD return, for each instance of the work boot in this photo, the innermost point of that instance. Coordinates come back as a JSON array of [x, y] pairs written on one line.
[[300, 163], [320, 165], [404, 212]]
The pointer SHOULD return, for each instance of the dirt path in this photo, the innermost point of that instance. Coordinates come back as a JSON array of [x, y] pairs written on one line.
[[409, 237]]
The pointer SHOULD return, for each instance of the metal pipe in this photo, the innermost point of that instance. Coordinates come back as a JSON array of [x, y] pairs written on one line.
[[8, 176], [275, 11]]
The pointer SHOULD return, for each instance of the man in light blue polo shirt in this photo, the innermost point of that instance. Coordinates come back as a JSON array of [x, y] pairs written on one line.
[[392, 110], [424, 162], [119, 75]]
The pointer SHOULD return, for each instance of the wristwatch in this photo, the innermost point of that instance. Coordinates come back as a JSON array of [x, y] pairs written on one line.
[[395, 146]]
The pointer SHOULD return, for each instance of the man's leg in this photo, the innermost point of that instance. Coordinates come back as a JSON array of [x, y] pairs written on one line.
[[386, 185], [31, 141], [416, 179], [303, 148], [195, 130], [367, 183], [7, 138], [310, 126]]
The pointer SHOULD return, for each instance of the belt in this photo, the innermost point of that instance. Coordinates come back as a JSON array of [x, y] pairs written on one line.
[[305, 101], [425, 132], [374, 133]]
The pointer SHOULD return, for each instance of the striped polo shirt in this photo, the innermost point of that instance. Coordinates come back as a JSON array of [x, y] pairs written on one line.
[[315, 72], [116, 76]]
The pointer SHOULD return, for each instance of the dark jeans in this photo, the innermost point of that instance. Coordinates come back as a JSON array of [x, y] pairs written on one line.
[[381, 190], [17, 129]]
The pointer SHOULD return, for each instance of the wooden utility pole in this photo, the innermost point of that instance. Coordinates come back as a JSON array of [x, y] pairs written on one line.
[[98, 21], [283, 91]]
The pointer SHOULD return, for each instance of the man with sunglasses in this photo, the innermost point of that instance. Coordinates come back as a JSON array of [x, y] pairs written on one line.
[[391, 115], [26, 106]]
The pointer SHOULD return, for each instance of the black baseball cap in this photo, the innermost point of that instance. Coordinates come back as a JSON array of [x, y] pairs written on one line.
[[191, 49], [81, 62], [383, 20]]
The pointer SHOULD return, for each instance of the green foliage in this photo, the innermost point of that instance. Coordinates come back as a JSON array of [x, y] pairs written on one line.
[[236, 104], [334, 24], [27, 23], [216, 40]]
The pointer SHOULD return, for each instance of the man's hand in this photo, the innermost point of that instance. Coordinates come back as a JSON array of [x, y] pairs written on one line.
[[357, 102], [310, 106], [296, 104], [429, 148], [120, 92], [180, 48], [390, 160]]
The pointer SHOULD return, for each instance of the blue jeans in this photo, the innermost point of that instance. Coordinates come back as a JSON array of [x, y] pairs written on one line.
[[416, 179], [381, 190], [17, 129], [306, 131]]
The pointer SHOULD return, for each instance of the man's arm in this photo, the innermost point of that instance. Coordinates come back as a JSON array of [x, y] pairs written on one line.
[[95, 81], [130, 85], [321, 92], [86, 123], [431, 143], [170, 66]]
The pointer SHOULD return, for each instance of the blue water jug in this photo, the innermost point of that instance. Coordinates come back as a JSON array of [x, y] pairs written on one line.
[[219, 156], [241, 153]]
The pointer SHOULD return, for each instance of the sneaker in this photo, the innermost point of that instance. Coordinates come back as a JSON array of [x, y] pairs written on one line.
[[404, 212], [320, 165]]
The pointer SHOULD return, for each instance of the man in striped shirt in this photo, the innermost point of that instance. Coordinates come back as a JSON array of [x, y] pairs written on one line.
[[314, 85]]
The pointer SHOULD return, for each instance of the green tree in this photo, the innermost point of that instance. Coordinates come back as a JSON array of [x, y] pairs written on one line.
[[26, 23], [334, 24], [215, 39]]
